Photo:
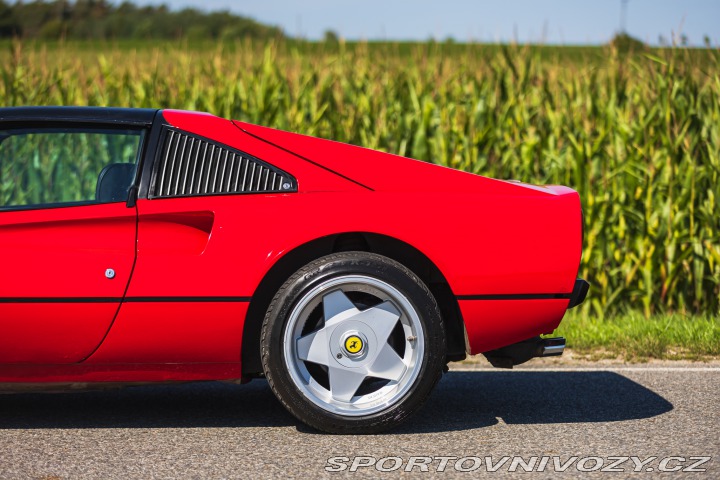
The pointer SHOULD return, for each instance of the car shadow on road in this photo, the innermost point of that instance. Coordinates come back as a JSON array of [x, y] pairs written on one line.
[[462, 401], [188, 405], [465, 400]]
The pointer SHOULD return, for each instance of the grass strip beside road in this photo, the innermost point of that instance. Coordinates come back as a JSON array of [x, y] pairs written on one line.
[[633, 337]]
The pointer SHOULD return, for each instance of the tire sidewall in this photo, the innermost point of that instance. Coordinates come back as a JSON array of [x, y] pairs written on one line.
[[327, 268]]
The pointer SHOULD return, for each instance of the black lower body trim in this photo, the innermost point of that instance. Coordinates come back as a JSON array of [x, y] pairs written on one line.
[[60, 299], [517, 296], [120, 299], [186, 299]]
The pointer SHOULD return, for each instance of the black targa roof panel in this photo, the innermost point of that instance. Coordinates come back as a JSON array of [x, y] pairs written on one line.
[[101, 115]]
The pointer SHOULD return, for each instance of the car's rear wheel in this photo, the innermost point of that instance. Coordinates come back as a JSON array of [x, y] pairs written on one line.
[[353, 343]]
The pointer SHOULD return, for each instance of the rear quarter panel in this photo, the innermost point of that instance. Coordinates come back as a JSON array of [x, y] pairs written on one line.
[[483, 244], [486, 236]]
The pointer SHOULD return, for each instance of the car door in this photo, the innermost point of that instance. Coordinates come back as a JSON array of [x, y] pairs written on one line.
[[67, 236]]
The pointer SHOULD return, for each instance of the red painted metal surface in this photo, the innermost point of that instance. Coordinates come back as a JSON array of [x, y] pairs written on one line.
[[386, 172], [174, 332], [46, 333], [496, 323], [534, 254], [486, 237], [62, 253]]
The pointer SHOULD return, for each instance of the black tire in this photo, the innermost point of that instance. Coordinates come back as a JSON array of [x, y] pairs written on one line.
[[322, 270]]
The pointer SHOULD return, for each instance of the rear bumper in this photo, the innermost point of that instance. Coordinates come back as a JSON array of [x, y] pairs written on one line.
[[491, 324], [579, 293], [495, 321]]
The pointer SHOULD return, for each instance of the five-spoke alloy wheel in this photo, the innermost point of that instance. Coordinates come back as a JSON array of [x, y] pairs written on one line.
[[353, 343]]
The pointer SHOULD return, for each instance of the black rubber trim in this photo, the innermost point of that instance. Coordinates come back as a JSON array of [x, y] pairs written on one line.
[[120, 299], [186, 299], [517, 296], [54, 206], [301, 157], [60, 299], [579, 293], [92, 115], [152, 150]]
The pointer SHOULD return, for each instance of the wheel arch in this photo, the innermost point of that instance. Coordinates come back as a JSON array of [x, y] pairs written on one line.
[[397, 250]]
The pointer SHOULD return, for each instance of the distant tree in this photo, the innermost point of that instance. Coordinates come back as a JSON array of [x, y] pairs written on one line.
[[626, 43], [9, 26], [101, 19], [331, 37], [52, 29]]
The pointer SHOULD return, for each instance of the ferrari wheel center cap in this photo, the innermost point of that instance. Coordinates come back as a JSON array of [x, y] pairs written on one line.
[[353, 344]]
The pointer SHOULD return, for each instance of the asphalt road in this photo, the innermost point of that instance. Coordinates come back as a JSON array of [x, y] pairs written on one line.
[[214, 430]]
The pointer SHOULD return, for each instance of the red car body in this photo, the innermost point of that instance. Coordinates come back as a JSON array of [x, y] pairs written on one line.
[[193, 274]]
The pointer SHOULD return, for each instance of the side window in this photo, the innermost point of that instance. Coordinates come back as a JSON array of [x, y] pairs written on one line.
[[58, 167]]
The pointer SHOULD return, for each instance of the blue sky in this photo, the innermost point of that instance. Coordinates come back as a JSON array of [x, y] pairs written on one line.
[[548, 21]]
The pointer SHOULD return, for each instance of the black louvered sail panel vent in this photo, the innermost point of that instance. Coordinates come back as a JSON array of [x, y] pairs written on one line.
[[190, 165]]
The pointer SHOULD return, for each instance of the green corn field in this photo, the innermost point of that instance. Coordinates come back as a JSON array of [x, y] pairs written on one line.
[[638, 135]]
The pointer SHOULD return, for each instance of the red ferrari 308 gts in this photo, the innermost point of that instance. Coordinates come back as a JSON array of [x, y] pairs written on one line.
[[160, 245]]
